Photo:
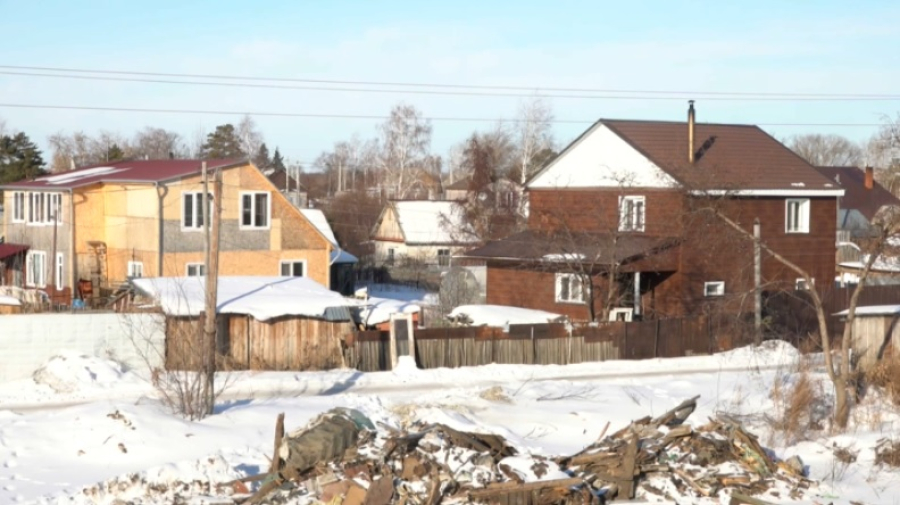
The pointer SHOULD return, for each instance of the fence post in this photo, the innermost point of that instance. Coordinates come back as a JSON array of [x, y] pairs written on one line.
[[411, 342], [392, 342], [656, 341], [625, 338], [533, 347]]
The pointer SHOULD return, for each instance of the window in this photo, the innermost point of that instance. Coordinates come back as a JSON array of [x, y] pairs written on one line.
[[192, 215], [60, 264], [631, 213], [18, 212], [801, 285], [196, 269], [293, 268], [716, 288], [43, 208], [797, 216], [390, 256], [135, 269], [255, 210], [569, 288], [36, 269], [443, 257]]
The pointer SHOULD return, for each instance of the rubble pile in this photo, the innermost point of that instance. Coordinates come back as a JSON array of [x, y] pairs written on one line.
[[342, 459]]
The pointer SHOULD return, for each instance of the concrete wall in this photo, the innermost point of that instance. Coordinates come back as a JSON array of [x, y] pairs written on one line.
[[29, 340]]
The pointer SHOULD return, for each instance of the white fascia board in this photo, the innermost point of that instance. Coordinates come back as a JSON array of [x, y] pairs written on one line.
[[769, 192]]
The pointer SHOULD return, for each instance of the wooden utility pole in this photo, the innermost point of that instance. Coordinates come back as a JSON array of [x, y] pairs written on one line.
[[757, 282], [211, 242]]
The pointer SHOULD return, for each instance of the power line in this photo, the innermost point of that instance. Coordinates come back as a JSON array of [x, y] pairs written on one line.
[[530, 89], [349, 116], [636, 96]]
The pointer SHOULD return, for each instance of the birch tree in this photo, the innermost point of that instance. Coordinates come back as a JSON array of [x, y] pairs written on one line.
[[533, 134], [405, 140], [249, 137]]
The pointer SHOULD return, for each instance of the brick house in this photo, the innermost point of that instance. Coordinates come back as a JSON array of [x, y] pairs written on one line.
[[105, 224], [629, 210]]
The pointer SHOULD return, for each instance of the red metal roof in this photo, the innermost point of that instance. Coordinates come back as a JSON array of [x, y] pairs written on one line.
[[121, 171], [7, 250]]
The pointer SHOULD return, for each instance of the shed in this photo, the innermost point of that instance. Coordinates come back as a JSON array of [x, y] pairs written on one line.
[[265, 323], [876, 333]]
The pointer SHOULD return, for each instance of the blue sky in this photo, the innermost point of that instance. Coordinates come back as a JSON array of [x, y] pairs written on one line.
[[773, 46]]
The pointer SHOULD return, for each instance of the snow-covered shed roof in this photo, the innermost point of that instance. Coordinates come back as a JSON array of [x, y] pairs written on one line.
[[317, 218], [431, 222], [873, 310], [261, 297], [501, 315]]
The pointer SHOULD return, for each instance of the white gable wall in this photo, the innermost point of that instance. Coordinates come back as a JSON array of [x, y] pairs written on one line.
[[602, 159]]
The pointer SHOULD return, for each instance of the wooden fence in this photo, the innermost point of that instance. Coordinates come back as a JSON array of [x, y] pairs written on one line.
[[244, 343], [544, 344]]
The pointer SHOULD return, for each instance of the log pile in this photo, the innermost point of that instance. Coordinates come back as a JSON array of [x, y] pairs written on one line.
[[342, 459]]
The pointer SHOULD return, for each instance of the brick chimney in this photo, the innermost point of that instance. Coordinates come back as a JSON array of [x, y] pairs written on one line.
[[870, 177], [691, 132]]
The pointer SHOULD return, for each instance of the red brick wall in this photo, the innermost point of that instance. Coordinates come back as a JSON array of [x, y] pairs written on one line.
[[597, 210], [711, 250]]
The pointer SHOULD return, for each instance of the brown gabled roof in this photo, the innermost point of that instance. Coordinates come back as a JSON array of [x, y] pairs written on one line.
[[856, 196], [462, 184], [149, 171], [279, 179], [596, 248], [728, 156]]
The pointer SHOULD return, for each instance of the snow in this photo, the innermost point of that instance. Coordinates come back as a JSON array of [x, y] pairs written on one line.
[[564, 257], [124, 441], [9, 300], [500, 315], [382, 300], [261, 297], [317, 218], [431, 222], [873, 310]]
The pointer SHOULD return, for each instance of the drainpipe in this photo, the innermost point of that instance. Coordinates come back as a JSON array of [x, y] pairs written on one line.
[[691, 132], [72, 249]]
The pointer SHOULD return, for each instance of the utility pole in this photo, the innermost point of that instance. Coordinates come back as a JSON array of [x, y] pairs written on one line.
[[757, 282], [211, 248]]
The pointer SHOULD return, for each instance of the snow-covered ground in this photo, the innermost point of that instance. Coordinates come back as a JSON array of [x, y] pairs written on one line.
[[85, 421]]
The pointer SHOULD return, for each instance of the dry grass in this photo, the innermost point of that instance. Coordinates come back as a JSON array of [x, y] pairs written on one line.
[[887, 452], [886, 377], [799, 406]]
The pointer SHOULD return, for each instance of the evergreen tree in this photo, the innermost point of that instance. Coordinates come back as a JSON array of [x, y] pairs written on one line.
[[223, 143], [115, 153], [19, 158], [262, 160], [277, 160]]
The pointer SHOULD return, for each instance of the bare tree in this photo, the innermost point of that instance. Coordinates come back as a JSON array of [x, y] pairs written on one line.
[[841, 373], [3, 128], [158, 144], [883, 153], [826, 150], [533, 134], [249, 136], [405, 143], [70, 150]]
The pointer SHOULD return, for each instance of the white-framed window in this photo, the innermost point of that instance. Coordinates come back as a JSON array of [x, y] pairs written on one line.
[[196, 270], [443, 257], [255, 209], [18, 207], [192, 215], [796, 215], [569, 288], [801, 285], [36, 269], [631, 213], [293, 268], [44, 208], [714, 288], [60, 270], [135, 269]]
